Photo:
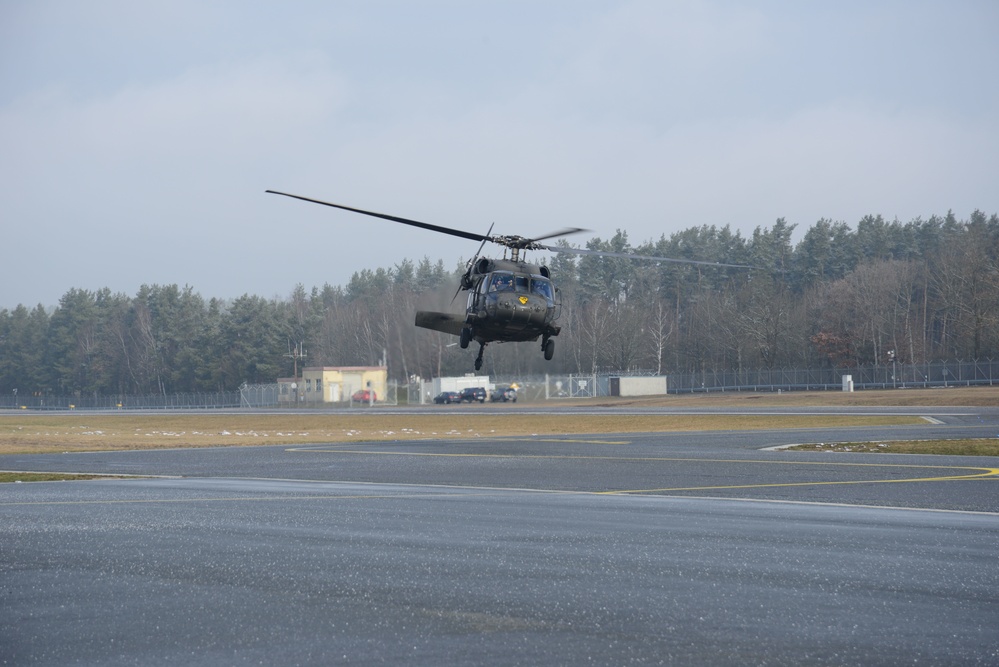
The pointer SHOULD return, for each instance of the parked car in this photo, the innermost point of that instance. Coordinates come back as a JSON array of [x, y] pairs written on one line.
[[447, 397], [364, 396], [503, 394], [470, 394]]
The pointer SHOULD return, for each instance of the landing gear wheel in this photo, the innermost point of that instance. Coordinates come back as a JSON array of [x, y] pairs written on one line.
[[465, 338], [549, 349]]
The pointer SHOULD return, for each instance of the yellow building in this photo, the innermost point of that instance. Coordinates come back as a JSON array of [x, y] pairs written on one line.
[[328, 384]]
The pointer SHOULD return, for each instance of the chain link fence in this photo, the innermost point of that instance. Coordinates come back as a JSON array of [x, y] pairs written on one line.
[[185, 401], [258, 395], [554, 387], [887, 376]]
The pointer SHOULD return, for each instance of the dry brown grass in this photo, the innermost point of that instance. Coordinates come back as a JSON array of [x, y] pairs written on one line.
[[32, 433], [963, 447], [15, 477], [28, 432]]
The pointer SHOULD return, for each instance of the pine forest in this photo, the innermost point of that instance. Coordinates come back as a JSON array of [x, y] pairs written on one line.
[[841, 296]]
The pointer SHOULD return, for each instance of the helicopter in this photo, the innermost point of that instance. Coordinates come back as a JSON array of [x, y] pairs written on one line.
[[509, 299]]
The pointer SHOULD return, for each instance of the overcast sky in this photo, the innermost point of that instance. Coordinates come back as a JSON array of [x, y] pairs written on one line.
[[137, 138]]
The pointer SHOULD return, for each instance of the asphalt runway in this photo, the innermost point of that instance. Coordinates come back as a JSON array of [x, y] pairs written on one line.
[[667, 548]]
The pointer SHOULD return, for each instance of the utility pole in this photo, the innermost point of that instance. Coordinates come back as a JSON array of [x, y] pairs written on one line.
[[297, 353]]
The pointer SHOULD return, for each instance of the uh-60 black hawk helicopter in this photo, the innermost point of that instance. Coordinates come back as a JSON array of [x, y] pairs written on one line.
[[509, 299]]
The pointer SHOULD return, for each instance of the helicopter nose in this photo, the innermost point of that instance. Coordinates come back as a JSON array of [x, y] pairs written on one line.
[[522, 308], [519, 301]]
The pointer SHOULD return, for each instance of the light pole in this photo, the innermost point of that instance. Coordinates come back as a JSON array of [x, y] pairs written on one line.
[[891, 358]]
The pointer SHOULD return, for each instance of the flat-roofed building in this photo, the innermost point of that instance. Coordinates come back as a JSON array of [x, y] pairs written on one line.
[[337, 384]]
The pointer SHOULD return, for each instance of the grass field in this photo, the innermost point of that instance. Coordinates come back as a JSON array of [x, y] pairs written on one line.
[[15, 477], [963, 447], [30, 432], [22, 434]]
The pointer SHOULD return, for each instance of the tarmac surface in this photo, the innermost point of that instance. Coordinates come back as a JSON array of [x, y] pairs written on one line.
[[664, 548]]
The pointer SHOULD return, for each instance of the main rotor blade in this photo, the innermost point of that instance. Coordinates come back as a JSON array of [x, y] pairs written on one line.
[[406, 221], [471, 263], [627, 255], [485, 238], [562, 232]]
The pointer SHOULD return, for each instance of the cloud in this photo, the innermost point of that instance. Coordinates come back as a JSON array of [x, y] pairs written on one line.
[[645, 116], [230, 110], [153, 181]]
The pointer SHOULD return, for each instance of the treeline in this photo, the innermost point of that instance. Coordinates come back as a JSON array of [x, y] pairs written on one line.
[[920, 291]]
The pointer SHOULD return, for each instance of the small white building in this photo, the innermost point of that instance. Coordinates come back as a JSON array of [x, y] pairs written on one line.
[[638, 386], [437, 385]]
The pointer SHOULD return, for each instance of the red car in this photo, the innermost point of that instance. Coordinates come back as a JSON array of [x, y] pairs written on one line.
[[364, 396]]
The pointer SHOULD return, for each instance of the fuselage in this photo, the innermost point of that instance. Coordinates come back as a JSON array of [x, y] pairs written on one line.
[[512, 302]]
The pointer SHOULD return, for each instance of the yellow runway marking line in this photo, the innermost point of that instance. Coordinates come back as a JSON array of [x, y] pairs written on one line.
[[989, 472], [976, 473]]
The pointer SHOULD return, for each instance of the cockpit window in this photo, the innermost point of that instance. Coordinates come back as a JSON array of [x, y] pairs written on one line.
[[520, 283], [543, 287], [501, 282]]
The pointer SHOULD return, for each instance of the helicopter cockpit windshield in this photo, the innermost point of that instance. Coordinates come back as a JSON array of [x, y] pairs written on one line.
[[542, 287], [501, 281]]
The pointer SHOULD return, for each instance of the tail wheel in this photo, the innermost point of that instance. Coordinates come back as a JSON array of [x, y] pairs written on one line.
[[549, 349], [478, 359]]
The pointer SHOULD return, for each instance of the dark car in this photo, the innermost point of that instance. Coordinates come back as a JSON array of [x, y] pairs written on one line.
[[470, 394], [503, 394], [364, 396], [447, 397]]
